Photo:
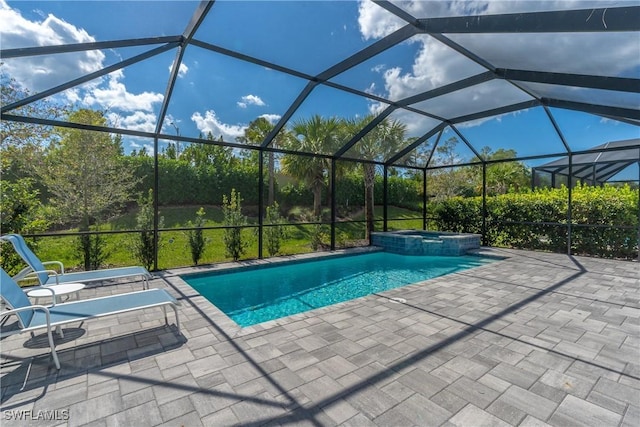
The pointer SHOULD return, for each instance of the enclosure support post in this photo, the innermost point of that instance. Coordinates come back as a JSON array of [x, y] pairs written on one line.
[[156, 207], [553, 175], [639, 210], [425, 199], [569, 203], [385, 188], [484, 204], [333, 204], [260, 200], [533, 179]]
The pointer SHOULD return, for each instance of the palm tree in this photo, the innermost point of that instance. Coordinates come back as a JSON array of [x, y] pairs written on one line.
[[316, 135], [382, 141]]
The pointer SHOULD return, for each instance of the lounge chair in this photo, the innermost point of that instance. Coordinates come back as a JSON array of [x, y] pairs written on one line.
[[34, 317], [49, 277]]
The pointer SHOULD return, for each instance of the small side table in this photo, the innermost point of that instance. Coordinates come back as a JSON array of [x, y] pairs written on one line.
[[60, 290]]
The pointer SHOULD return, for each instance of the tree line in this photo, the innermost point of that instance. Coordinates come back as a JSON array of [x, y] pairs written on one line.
[[68, 177]]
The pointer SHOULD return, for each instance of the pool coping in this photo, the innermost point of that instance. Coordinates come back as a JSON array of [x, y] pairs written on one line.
[[232, 329]]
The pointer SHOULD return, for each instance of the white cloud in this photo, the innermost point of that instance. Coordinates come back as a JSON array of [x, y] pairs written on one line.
[[417, 125], [250, 100], [376, 107], [375, 22], [182, 71], [46, 71], [139, 120], [42, 72], [211, 123], [73, 95], [271, 118], [371, 89], [116, 95], [437, 9], [436, 65]]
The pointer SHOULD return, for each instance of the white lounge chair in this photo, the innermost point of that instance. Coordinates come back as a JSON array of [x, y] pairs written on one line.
[[34, 317], [49, 277]]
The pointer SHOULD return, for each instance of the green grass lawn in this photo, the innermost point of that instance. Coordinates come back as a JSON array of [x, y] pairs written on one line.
[[174, 251]]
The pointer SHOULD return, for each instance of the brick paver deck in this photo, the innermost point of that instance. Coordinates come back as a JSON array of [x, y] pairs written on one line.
[[533, 340]]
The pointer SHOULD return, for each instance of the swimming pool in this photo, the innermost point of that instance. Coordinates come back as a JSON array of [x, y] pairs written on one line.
[[254, 295]]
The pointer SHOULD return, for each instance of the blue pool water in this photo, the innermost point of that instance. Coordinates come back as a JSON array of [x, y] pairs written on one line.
[[256, 295]]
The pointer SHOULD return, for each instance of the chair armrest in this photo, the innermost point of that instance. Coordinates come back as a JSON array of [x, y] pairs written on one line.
[[58, 263], [46, 289], [47, 314], [35, 273], [31, 307], [23, 273]]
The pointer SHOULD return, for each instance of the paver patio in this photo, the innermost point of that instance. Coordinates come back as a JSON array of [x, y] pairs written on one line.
[[535, 339]]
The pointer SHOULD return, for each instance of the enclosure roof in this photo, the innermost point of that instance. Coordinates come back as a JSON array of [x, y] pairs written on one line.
[[599, 164], [441, 68]]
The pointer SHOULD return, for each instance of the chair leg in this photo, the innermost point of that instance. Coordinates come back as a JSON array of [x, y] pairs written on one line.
[[175, 309], [53, 349], [26, 377]]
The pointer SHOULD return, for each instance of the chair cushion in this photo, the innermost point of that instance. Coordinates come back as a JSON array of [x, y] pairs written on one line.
[[105, 306], [15, 297]]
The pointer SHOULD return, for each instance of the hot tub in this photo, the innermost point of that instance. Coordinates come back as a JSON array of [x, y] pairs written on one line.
[[416, 242]]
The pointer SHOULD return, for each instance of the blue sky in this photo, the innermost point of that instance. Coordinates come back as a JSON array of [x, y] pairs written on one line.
[[222, 95]]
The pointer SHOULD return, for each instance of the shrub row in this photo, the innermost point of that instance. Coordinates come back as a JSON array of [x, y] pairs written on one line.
[[183, 184], [604, 220], [519, 220]]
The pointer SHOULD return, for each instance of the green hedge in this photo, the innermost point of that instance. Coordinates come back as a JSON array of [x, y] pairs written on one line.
[[604, 207], [609, 208], [182, 184]]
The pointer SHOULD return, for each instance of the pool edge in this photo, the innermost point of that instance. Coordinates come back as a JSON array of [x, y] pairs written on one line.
[[232, 329]]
